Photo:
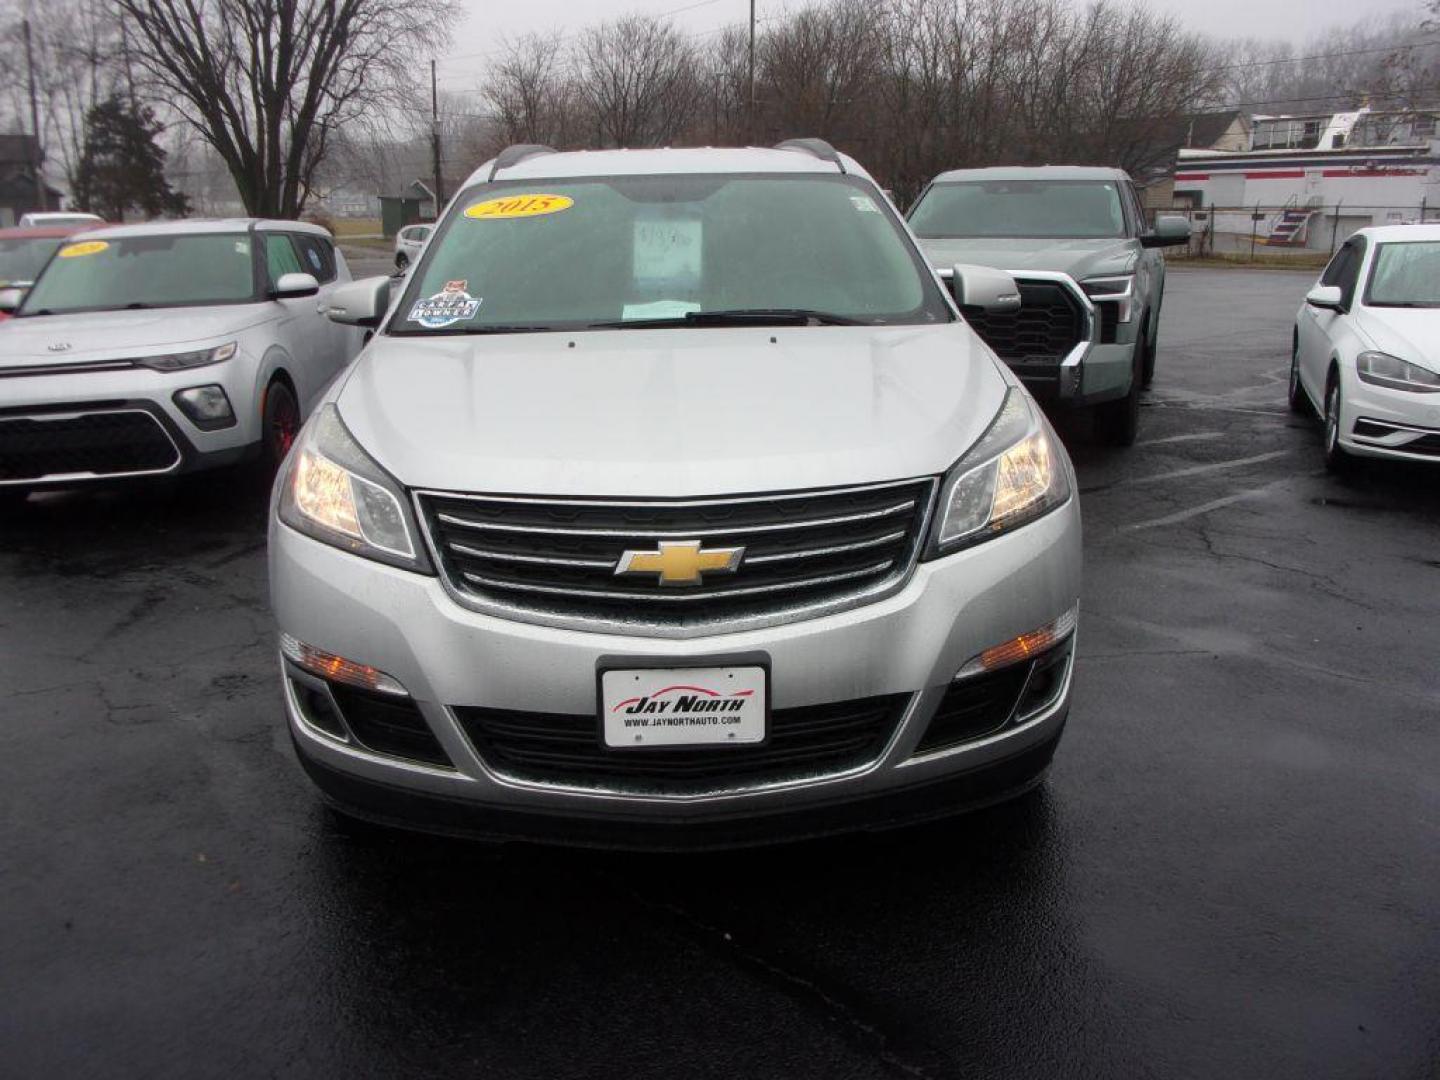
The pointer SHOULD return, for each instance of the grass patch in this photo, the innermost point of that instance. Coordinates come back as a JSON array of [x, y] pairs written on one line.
[[1262, 260], [347, 227]]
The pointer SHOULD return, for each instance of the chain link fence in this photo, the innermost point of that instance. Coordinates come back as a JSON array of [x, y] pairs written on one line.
[[1303, 234]]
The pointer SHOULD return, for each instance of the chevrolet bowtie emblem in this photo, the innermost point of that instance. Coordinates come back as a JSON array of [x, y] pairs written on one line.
[[681, 563]]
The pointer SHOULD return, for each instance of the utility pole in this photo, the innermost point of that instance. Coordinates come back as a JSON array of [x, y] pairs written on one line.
[[40, 201], [750, 110], [435, 141]]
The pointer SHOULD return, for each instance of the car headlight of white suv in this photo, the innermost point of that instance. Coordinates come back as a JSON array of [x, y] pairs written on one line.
[[1013, 475], [1382, 369], [335, 492]]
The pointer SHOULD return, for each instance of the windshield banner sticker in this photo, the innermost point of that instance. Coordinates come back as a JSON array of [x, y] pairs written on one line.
[[451, 305], [518, 206], [89, 247]]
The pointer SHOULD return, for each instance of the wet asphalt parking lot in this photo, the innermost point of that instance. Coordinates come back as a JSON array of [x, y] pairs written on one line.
[[1233, 870]]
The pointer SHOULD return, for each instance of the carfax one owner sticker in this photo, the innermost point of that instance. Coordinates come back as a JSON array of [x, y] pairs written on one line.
[[451, 304]]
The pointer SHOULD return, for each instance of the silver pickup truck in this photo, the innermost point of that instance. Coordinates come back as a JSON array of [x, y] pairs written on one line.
[[1091, 281]]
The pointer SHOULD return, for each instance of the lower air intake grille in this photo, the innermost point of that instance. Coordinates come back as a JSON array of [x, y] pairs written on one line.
[[816, 740], [388, 725], [794, 552], [99, 444], [1048, 325]]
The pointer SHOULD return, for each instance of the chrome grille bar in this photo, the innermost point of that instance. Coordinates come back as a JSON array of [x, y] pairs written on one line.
[[682, 597], [677, 534]]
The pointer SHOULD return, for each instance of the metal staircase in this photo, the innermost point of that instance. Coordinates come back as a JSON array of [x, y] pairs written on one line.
[[1291, 227]]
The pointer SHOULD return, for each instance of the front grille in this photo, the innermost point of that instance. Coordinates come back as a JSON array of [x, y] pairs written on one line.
[[803, 552], [1049, 323], [1426, 444], [812, 741], [99, 444]]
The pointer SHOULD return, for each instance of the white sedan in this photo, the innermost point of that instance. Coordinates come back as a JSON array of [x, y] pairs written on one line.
[[147, 350], [409, 242], [1366, 349]]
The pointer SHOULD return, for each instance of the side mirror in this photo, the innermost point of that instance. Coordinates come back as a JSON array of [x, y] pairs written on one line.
[[360, 303], [291, 286], [1328, 297], [1170, 230], [10, 300], [983, 287]]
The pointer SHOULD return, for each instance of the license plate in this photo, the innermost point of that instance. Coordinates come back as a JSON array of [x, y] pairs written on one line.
[[709, 706]]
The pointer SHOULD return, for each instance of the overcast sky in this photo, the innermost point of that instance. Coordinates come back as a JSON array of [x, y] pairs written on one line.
[[479, 38]]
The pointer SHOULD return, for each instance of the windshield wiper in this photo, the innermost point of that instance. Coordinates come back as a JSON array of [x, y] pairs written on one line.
[[453, 331], [737, 317]]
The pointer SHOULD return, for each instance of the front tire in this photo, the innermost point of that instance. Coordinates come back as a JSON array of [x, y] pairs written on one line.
[[1152, 346], [1336, 459], [1299, 403], [1118, 422], [279, 424]]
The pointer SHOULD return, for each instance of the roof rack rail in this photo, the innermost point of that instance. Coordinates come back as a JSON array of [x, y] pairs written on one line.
[[818, 147], [513, 155]]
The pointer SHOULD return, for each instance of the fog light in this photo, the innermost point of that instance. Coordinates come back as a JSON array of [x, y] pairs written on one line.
[[1024, 647], [206, 406], [337, 668]]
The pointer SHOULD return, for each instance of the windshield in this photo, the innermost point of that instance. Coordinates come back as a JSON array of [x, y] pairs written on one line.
[[1405, 275], [656, 251], [145, 271], [1020, 209], [23, 257]]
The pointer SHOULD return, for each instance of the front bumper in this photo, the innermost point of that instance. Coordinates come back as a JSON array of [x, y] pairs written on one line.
[[909, 645], [58, 399], [1396, 424]]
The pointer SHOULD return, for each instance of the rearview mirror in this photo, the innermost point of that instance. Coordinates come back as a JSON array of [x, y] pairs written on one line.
[[10, 300], [983, 287], [1325, 296], [359, 303], [1169, 230], [292, 285]]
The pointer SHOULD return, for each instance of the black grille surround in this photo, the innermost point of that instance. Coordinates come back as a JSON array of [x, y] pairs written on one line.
[[556, 560], [1050, 322], [809, 742], [122, 442]]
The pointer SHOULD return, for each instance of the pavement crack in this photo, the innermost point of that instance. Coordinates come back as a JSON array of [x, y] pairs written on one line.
[[870, 1036]]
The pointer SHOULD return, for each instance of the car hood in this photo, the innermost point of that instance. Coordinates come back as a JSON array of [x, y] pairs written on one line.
[[1410, 333], [1078, 258], [671, 412], [95, 335]]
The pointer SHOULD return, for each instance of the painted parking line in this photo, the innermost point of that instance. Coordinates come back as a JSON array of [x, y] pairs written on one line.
[[1217, 466], [1182, 438], [1203, 508]]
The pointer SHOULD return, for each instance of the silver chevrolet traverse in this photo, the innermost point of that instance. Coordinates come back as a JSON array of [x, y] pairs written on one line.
[[674, 504]]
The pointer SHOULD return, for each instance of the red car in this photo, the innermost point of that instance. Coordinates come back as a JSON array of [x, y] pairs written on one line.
[[24, 253]]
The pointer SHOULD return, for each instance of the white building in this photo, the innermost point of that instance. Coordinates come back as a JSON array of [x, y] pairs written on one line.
[[1313, 178]]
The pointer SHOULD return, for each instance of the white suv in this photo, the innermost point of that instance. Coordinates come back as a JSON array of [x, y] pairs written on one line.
[[674, 503], [146, 350]]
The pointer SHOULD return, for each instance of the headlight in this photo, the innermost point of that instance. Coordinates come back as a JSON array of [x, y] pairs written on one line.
[[332, 490], [1382, 369], [1014, 474], [198, 358], [1119, 290]]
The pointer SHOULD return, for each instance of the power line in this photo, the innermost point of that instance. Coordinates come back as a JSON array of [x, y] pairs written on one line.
[[1328, 56]]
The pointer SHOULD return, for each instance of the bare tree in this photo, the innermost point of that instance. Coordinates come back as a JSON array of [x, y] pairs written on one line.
[[638, 78], [269, 82], [530, 92]]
